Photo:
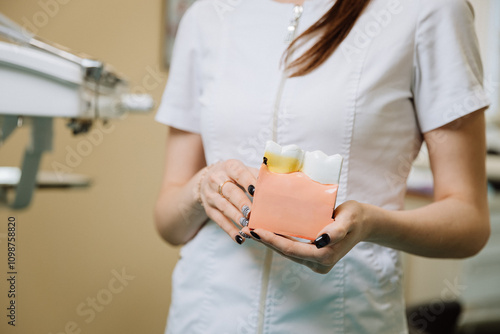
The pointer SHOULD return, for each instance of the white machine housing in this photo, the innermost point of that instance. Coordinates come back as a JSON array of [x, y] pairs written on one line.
[[39, 81]]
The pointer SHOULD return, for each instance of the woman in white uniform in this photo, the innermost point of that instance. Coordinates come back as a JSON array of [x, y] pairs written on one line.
[[403, 72]]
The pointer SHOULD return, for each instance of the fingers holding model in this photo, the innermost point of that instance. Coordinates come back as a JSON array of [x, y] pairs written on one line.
[[222, 192], [334, 241]]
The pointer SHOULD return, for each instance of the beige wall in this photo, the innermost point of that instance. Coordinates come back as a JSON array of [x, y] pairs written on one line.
[[70, 241]]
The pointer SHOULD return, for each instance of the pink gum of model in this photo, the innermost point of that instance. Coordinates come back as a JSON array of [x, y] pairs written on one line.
[[291, 204]]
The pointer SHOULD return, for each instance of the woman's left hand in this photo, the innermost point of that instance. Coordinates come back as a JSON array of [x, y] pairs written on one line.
[[333, 242]]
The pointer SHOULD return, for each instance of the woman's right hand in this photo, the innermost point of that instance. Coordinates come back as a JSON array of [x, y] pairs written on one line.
[[232, 203]]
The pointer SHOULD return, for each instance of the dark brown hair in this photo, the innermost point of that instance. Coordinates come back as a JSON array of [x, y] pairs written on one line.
[[331, 28]]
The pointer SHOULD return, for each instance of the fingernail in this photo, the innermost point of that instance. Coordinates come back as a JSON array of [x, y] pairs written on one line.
[[245, 210], [255, 235], [322, 241], [244, 235], [239, 239], [243, 221], [251, 189]]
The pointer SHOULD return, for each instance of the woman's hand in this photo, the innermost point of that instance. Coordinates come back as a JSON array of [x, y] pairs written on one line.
[[187, 181], [235, 179], [333, 242]]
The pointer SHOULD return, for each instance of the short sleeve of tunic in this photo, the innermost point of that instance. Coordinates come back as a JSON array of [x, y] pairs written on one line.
[[448, 73], [179, 107]]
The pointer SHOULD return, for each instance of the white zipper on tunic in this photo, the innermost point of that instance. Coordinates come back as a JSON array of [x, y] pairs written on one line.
[[292, 30], [268, 259]]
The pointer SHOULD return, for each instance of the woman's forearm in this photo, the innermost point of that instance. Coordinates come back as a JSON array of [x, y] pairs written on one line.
[[178, 214], [448, 228]]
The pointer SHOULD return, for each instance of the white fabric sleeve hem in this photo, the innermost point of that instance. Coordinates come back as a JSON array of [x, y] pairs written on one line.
[[180, 123], [461, 107]]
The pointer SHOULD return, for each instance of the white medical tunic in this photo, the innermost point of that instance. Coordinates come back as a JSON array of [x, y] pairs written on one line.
[[407, 67]]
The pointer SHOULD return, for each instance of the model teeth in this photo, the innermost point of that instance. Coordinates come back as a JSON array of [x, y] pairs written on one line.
[[286, 159], [317, 165], [322, 168]]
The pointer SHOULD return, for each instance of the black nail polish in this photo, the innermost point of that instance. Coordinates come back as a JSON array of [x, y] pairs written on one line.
[[322, 241], [255, 235], [251, 189], [238, 239]]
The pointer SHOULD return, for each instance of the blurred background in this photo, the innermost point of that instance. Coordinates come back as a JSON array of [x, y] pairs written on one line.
[[90, 259], [70, 241]]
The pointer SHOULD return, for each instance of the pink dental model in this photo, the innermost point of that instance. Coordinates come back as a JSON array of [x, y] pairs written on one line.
[[295, 192]]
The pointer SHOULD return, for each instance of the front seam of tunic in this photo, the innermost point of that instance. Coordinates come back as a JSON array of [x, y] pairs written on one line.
[[351, 112], [346, 148], [339, 276]]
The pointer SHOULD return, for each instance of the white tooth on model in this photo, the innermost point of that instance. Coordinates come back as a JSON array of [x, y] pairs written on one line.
[[289, 151], [283, 159], [293, 152], [273, 148], [321, 167]]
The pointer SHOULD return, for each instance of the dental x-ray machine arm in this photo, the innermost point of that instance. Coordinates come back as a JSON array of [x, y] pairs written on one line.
[[40, 81]]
